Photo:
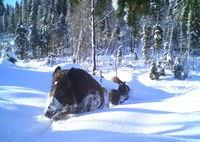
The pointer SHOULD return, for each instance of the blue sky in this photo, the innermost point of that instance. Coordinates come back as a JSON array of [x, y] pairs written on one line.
[[10, 2]]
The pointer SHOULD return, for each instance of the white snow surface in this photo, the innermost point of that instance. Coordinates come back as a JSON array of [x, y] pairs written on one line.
[[167, 110]]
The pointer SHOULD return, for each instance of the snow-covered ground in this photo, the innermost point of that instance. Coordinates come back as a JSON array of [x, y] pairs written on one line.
[[167, 110]]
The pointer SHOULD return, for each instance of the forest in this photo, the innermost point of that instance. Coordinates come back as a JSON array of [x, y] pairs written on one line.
[[154, 30]]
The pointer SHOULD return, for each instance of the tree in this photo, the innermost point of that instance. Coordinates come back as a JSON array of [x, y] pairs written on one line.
[[12, 23], [188, 16], [25, 12], [178, 69], [60, 35], [43, 28], [187, 19], [158, 37], [33, 40], [2, 9], [17, 12], [146, 43], [29, 7], [94, 66], [61, 6], [153, 74], [43, 42], [134, 9], [5, 22], [21, 41], [33, 35], [93, 43]]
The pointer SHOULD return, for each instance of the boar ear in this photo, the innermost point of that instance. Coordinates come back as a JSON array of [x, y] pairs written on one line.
[[56, 70]]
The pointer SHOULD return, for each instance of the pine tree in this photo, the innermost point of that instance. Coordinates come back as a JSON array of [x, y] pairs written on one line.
[[17, 12], [153, 74], [29, 7], [60, 35], [5, 22], [146, 43], [8, 10], [12, 23], [43, 28], [61, 6], [33, 12], [158, 37], [189, 20], [33, 35], [178, 69], [135, 9], [2, 10], [43, 42], [21, 41], [50, 23], [25, 12], [33, 40]]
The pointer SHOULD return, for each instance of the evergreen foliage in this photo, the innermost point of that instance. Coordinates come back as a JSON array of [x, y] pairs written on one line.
[[146, 43], [7, 53], [154, 73], [21, 41], [2, 8], [178, 69], [5, 22], [12, 25]]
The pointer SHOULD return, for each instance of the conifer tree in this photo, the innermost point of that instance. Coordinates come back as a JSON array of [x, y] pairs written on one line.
[[8, 10], [146, 43], [17, 12], [59, 35], [33, 40], [5, 22], [188, 14], [178, 69], [43, 28], [153, 74], [29, 7], [25, 12], [12, 23], [135, 9], [158, 37], [33, 35], [2, 10], [21, 41]]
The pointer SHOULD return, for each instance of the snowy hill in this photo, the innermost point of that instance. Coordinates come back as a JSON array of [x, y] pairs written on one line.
[[157, 111]]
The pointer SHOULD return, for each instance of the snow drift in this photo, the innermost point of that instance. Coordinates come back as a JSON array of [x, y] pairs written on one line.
[[164, 110]]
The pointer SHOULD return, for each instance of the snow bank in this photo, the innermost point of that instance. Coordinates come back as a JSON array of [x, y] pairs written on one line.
[[164, 110]]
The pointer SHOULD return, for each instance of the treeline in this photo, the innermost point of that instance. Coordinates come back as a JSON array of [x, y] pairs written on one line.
[[59, 27], [155, 28]]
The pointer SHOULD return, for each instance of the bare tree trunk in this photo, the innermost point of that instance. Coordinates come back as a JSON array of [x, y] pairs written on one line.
[[77, 57], [170, 42], [93, 38]]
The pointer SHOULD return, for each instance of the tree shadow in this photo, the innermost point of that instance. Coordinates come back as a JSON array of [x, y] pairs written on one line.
[[26, 78], [141, 93], [92, 135], [184, 126]]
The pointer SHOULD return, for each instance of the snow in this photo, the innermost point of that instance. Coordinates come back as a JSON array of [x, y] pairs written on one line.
[[164, 110]]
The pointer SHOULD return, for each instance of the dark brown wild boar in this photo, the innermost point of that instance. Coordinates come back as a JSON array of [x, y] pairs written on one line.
[[73, 91]]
